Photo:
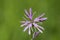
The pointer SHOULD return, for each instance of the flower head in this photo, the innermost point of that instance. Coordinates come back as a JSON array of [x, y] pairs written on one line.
[[32, 24]]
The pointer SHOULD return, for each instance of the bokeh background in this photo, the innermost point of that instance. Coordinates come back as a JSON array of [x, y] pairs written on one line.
[[12, 11]]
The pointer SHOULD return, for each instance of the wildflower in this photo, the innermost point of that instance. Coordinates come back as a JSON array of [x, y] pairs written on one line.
[[30, 24]]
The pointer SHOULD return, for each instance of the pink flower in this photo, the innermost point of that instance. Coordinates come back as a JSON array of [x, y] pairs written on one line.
[[30, 24]]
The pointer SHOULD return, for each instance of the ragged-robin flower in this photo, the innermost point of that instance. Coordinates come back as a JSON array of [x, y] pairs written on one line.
[[30, 24]]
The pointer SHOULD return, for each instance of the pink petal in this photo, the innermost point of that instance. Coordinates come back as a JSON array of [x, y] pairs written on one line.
[[35, 25], [28, 26], [41, 27], [25, 28], [38, 26], [42, 19], [26, 23], [30, 15], [39, 30], [36, 20], [26, 12], [30, 11]]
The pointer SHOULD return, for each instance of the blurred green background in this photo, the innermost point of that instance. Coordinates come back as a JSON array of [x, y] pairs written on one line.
[[12, 11]]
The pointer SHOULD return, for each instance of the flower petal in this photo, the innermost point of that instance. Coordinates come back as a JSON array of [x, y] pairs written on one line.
[[26, 23], [30, 13], [39, 18], [28, 26], [42, 19], [25, 28], [41, 27], [39, 30], [26, 12], [29, 31], [36, 20], [35, 25]]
